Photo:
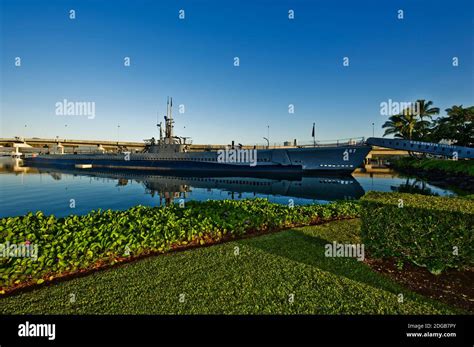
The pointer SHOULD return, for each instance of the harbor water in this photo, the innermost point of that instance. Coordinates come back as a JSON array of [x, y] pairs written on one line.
[[78, 191]]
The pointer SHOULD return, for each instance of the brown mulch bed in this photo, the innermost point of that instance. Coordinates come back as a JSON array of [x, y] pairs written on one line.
[[455, 288]]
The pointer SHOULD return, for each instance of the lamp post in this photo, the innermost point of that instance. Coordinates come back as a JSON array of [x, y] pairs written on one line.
[[268, 135], [268, 142], [118, 136], [373, 129]]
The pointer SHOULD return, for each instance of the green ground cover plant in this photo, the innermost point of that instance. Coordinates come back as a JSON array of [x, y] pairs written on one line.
[[429, 231], [253, 275], [101, 238]]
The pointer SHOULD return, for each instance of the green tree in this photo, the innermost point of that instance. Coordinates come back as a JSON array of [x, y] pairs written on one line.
[[400, 126], [413, 123], [425, 112], [457, 126]]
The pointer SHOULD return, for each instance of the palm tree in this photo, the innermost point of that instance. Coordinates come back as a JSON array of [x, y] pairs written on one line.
[[425, 110], [410, 123], [401, 126]]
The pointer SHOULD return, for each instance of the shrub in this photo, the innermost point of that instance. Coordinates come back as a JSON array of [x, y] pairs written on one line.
[[425, 230], [101, 238], [464, 167]]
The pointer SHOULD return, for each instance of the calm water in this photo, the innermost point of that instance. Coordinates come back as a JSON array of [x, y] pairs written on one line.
[[25, 189]]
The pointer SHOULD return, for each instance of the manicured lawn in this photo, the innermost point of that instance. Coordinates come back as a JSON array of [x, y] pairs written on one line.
[[214, 280]]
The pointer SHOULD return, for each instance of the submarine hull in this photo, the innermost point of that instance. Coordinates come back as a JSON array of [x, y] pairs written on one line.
[[340, 159]]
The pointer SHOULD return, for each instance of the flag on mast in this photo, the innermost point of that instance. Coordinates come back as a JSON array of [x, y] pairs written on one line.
[[312, 134]]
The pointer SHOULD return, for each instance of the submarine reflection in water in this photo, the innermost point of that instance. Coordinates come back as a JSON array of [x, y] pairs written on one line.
[[170, 187]]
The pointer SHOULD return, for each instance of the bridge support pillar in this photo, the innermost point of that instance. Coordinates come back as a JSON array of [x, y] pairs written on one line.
[[16, 153], [59, 148]]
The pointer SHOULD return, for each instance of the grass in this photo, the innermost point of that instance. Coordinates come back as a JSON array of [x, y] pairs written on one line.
[[465, 167], [214, 280]]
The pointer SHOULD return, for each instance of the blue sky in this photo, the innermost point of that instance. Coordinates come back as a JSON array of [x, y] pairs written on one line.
[[282, 62]]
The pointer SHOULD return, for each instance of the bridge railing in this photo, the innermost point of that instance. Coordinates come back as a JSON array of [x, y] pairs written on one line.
[[286, 144], [318, 143]]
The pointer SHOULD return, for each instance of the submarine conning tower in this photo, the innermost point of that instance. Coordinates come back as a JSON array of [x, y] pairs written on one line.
[[168, 143]]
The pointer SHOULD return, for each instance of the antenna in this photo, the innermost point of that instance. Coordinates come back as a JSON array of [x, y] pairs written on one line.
[[169, 121], [171, 106], [159, 125]]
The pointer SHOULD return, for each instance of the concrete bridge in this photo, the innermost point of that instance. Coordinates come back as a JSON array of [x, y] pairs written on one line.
[[17, 145], [36, 142]]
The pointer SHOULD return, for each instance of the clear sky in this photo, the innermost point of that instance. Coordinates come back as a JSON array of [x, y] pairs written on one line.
[[282, 62]]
